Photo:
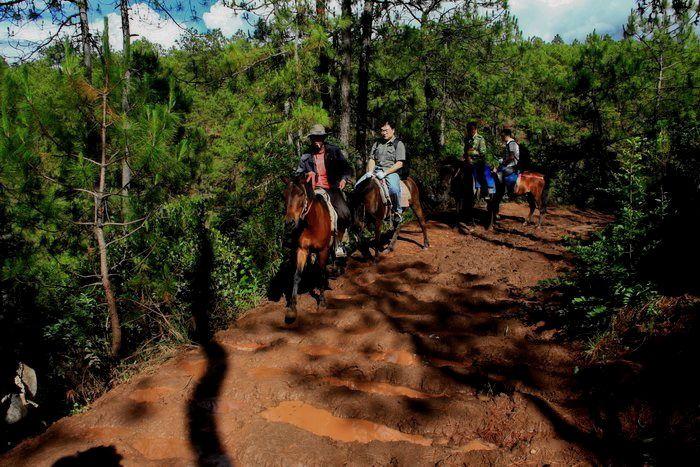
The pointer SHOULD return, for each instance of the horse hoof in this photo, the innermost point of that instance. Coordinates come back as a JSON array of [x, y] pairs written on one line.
[[426, 246], [290, 318]]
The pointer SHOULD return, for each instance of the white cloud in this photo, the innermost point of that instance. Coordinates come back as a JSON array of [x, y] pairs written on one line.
[[224, 18], [571, 19], [17, 41], [144, 22]]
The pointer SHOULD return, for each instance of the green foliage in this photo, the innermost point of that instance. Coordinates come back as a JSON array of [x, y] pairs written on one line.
[[212, 125]]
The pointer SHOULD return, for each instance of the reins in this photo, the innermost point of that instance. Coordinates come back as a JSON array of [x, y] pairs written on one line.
[[307, 204], [307, 207]]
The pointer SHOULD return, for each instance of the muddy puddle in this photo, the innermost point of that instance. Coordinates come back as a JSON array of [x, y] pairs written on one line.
[[476, 445], [320, 350], [323, 423], [375, 387], [267, 372], [245, 346], [399, 357], [441, 363]]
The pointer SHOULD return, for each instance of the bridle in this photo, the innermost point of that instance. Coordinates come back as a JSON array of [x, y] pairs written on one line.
[[307, 204]]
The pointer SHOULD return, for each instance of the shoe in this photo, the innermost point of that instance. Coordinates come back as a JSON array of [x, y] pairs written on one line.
[[397, 218], [340, 251]]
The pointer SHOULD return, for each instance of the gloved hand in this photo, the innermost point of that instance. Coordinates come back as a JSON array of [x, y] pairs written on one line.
[[379, 174]]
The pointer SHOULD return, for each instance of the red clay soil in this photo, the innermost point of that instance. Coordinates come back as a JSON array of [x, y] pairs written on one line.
[[421, 359]]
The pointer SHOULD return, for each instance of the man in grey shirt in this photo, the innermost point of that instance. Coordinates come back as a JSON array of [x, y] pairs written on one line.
[[385, 160]]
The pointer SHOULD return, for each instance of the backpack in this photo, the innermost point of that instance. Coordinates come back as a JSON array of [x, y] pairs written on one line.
[[519, 158], [525, 161], [405, 170]]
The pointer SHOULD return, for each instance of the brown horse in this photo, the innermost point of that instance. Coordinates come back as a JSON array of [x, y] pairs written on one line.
[[531, 184], [308, 214], [458, 181], [367, 202]]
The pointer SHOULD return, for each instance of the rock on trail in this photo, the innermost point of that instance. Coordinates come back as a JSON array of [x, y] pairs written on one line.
[[421, 359]]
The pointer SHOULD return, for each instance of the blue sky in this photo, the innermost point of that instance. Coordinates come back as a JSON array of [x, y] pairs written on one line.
[[572, 19]]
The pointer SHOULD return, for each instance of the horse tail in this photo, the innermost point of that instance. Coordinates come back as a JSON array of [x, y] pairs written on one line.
[[545, 193], [429, 203]]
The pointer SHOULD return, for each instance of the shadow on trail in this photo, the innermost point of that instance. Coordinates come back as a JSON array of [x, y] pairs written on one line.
[[104, 456], [461, 332], [499, 242], [203, 431]]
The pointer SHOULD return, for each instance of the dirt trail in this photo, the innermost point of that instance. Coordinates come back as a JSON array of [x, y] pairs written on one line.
[[418, 360]]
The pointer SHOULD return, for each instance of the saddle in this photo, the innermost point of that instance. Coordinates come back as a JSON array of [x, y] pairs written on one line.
[[331, 210], [404, 198]]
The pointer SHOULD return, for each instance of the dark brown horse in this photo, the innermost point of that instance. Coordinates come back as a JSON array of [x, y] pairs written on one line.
[[368, 206], [308, 214]]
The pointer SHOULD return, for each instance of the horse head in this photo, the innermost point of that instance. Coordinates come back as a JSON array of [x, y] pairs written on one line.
[[297, 199], [451, 173]]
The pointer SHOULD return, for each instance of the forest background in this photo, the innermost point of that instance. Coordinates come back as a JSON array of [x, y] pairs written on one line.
[[121, 171]]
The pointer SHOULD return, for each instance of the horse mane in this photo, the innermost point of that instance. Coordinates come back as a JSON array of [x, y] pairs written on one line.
[[300, 181], [364, 187]]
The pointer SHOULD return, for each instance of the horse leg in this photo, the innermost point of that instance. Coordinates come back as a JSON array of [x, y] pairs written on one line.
[[542, 207], [322, 277], [377, 236], [491, 213], [418, 211], [291, 314], [531, 202], [459, 210], [394, 237], [340, 263], [493, 207]]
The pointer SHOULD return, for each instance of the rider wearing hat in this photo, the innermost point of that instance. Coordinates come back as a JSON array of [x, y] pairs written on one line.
[[475, 154], [326, 168]]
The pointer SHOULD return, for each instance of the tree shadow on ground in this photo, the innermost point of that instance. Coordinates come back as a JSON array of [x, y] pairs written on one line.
[[103, 456], [449, 327], [202, 425]]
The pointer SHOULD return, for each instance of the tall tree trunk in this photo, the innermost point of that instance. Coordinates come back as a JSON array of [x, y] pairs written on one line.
[[432, 96], [297, 67], [346, 69], [323, 59], [659, 89], [363, 77], [85, 37], [126, 43], [100, 217], [432, 114]]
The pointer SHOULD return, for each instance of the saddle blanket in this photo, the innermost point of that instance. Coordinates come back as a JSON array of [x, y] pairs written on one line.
[[405, 198], [331, 210]]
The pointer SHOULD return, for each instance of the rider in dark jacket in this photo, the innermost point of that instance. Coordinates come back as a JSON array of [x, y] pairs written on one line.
[[326, 168]]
